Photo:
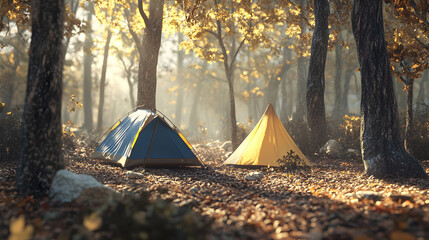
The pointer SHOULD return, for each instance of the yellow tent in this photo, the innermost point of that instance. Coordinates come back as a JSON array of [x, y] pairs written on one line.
[[267, 142]]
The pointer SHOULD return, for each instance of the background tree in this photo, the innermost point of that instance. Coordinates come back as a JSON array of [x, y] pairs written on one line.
[[17, 11], [41, 154], [146, 96], [408, 49], [105, 13], [382, 150], [316, 76], [128, 56], [301, 52], [14, 65], [218, 30], [87, 70]]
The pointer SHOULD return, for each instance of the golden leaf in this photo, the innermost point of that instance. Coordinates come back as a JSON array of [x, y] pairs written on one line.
[[93, 221], [18, 230], [415, 66]]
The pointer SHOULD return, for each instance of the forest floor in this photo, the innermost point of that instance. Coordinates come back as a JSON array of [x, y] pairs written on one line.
[[332, 201]]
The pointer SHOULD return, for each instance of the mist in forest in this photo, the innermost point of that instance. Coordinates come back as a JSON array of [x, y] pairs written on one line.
[[191, 91]]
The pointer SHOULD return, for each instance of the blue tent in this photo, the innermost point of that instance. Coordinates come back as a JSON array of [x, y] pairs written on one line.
[[145, 138]]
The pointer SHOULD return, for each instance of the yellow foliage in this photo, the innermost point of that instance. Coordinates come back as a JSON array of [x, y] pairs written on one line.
[[19, 231], [93, 221], [246, 95]]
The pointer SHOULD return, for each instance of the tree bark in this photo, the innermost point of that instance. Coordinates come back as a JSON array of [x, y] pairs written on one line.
[[129, 74], [272, 91], [87, 71], [337, 82], [180, 80], [11, 85], [41, 156], [193, 116], [382, 150], [316, 119], [409, 118], [146, 96], [233, 119], [284, 111], [300, 97], [344, 102], [103, 82], [420, 101], [229, 71]]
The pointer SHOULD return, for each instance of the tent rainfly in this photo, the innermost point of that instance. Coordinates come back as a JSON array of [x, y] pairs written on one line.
[[145, 138], [268, 142]]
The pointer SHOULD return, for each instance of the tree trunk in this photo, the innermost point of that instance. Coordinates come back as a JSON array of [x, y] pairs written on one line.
[[337, 82], [409, 118], [103, 82], [41, 156], [290, 102], [284, 112], [383, 152], [87, 71], [316, 76], [146, 96], [73, 6], [234, 138], [129, 74], [180, 81], [272, 91], [131, 90], [344, 102], [300, 97], [11, 85], [420, 101], [400, 94], [193, 115]]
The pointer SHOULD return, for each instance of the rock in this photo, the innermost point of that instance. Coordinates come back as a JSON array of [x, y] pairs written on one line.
[[134, 175], [67, 186], [333, 149], [226, 145], [253, 176], [95, 197], [353, 152], [368, 195]]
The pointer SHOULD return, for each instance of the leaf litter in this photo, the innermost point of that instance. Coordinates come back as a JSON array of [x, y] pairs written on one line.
[[332, 201]]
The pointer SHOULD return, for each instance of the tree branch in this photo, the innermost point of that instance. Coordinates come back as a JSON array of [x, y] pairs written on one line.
[[133, 34], [236, 53], [406, 81], [212, 33], [416, 11], [422, 43], [143, 14]]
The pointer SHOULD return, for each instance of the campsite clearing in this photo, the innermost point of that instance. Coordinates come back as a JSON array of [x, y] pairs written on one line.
[[320, 204]]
